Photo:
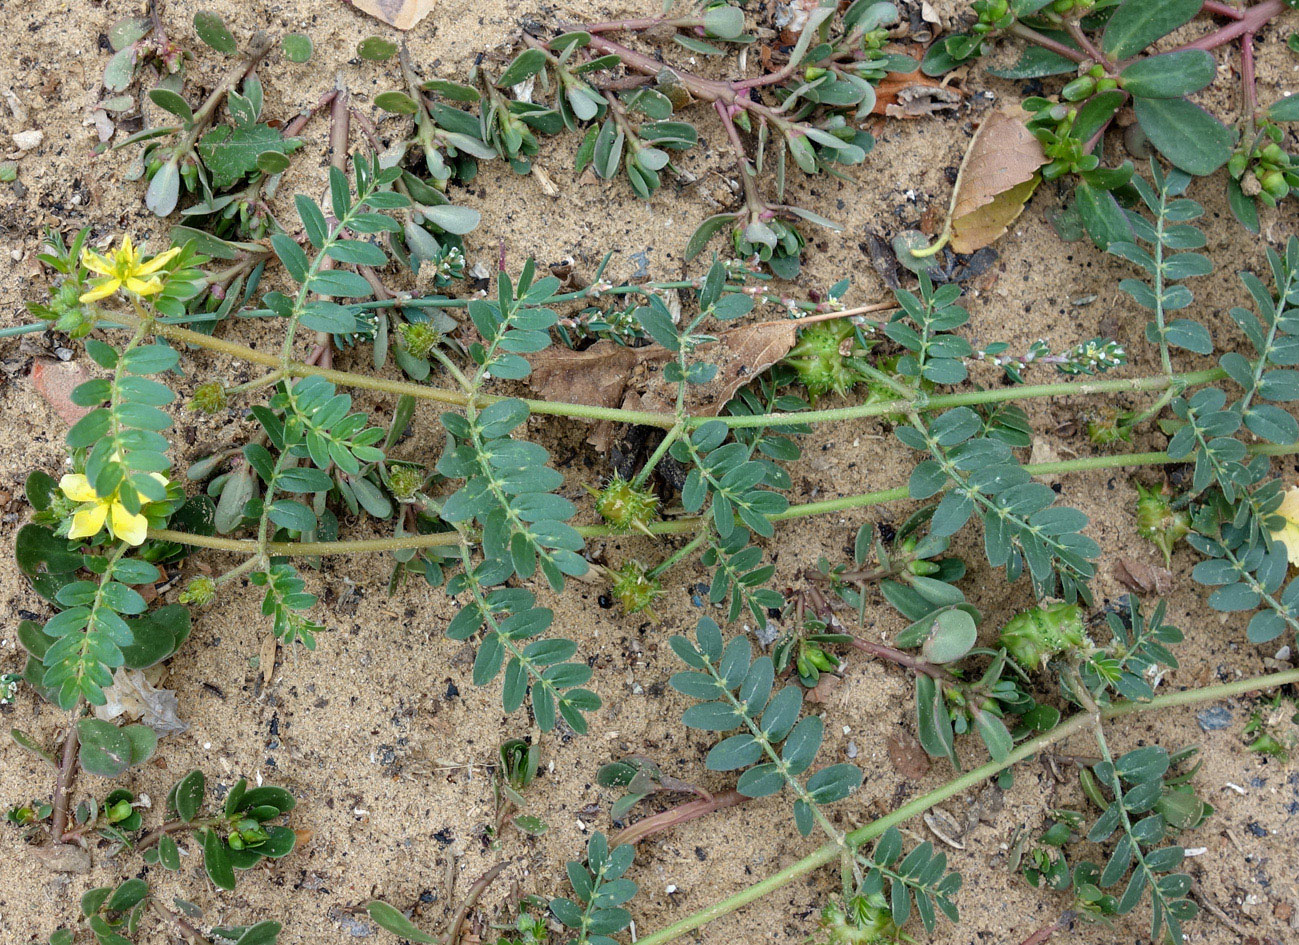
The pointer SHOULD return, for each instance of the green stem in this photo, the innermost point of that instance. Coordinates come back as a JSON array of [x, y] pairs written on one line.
[[648, 469], [680, 554], [830, 851], [679, 526], [668, 420]]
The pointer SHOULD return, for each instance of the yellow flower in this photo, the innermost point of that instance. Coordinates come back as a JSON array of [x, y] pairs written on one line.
[[124, 269], [87, 521], [1288, 533]]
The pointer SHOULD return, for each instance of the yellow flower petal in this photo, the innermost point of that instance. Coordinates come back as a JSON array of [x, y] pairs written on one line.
[[101, 290], [89, 521], [96, 263], [143, 286], [1288, 534], [157, 262], [129, 528], [78, 488]]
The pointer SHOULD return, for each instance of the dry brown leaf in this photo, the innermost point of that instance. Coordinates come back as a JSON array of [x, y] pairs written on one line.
[[56, 380], [610, 375], [62, 857], [266, 657], [1143, 578], [913, 95], [741, 354], [402, 14], [998, 175], [596, 377], [909, 759]]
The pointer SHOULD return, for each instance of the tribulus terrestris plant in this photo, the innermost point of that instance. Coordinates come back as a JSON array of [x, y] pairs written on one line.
[[484, 513]]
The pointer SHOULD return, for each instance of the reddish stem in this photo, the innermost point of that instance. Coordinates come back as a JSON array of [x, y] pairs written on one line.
[[902, 658], [300, 121], [707, 89], [1086, 45], [67, 774], [644, 23], [1253, 19], [1222, 9], [475, 891], [674, 817], [1046, 42], [1249, 86], [1042, 935]]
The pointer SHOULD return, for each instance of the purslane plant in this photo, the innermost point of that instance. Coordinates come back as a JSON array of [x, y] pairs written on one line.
[[1115, 54]]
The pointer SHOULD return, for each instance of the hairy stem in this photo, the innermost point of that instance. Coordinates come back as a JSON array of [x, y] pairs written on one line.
[[676, 816], [67, 774], [679, 526], [1082, 721]]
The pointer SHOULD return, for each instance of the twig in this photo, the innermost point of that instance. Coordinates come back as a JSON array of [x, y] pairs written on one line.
[[1253, 18], [475, 891], [675, 816], [67, 774], [1042, 935]]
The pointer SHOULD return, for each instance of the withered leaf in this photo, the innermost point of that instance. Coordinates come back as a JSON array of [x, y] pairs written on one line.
[[596, 377], [1143, 578], [913, 95], [741, 354], [62, 857], [402, 14], [997, 176], [55, 381], [908, 757], [610, 375]]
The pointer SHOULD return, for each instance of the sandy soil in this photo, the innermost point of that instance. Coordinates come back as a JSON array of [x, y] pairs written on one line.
[[380, 734]]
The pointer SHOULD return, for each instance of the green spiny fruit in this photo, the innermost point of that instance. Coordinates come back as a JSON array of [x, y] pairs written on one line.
[[208, 398], [200, 592], [1158, 522], [867, 920], [820, 358], [635, 590], [625, 506], [1034, 637], [1107, 427], [405, 482], [420, 338]]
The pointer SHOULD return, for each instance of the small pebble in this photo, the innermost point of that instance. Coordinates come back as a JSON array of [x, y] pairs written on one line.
[[1214, 718]]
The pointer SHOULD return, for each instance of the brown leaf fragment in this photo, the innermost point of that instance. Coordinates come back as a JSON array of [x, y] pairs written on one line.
[[998, 175], [596, 377], [62, 858], [610, 375], [913, 95], [909, 759], [402, 14], [741, 354], [1143, 578], [55, 381]]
